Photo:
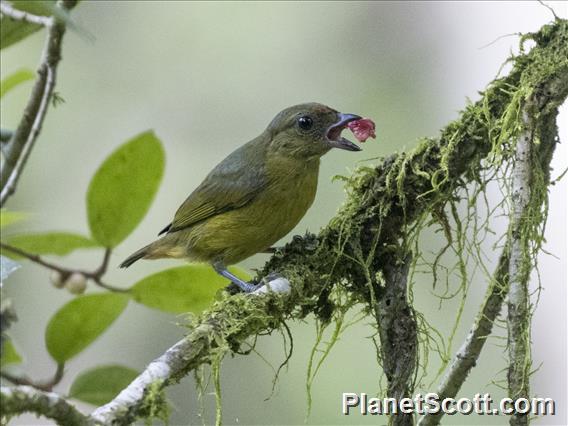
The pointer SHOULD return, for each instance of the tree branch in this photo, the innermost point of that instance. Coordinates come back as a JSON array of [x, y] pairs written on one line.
[[530, 179], [165, 369], [46, 385], [518, 318], [24, 137], [399, 340], [25, 399], [95, 275]]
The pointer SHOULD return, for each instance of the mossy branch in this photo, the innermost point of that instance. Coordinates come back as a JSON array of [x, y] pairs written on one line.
[[396, 322], [533, 153]]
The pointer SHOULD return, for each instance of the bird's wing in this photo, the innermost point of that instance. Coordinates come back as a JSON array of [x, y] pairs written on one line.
[[232, 184]]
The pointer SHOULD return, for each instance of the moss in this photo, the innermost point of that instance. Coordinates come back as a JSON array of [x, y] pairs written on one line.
[[155, 404]]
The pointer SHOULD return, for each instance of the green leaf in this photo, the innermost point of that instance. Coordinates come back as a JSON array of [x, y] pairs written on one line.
[[8, 218], [9, 354], [14, 80], [12, 31], [123, 188], [78, 323], [184, 289], [58, 243], [100, 385]]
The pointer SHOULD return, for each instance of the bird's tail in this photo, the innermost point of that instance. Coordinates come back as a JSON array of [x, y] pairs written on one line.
[[140, 254]]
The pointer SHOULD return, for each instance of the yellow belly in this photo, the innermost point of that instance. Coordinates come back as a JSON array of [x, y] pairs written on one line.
[[237, 234]]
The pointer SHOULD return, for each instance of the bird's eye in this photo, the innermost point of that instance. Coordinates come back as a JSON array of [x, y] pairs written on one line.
[[305, 122]]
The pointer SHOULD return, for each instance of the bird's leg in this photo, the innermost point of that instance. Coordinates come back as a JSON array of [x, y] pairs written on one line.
[[273, 282], [244, 286]]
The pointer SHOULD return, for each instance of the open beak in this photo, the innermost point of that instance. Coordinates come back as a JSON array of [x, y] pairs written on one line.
[[334, 133]]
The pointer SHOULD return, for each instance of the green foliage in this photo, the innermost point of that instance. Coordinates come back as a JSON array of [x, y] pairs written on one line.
[[100, 385], [184, 289], [78, 323], [9, 354], [58, 243], [14, 80], [12, 31], [8, 218], [123, 188]]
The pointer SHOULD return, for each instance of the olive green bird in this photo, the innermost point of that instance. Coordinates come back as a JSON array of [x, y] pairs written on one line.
[[256, 195]]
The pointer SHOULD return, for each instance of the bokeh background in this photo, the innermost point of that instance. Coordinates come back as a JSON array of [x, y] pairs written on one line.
[[210, 76]]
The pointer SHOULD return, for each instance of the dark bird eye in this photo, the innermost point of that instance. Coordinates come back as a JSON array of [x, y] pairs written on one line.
[[305, 122]]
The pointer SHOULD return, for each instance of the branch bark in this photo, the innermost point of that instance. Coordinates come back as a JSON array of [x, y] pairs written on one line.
[[398, 336], [533, 154], [22, 141], [21, 399], [163, 370], [518, 303], [46, 385]]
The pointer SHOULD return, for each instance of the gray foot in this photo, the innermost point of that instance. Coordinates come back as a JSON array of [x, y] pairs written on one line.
[[243, 285], [273, 282]]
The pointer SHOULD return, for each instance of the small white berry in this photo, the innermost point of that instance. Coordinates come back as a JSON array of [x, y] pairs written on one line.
[[56, 279], [76, 283]]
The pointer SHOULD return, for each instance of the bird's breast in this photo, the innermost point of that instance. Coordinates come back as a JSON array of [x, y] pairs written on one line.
[[272, 214], [292, 187]]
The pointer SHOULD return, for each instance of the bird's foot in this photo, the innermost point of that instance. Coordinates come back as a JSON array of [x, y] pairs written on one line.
[[273, 282]]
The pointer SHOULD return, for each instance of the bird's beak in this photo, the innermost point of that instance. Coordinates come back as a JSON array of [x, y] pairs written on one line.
[[334, 133]]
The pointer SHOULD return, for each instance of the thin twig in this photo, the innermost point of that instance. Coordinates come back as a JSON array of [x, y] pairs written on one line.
[[549, 8], [95, 275], [25, 135], [46, 385], [18, 15]]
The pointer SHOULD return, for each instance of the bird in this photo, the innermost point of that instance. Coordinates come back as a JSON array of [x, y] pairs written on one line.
[[256, 195]]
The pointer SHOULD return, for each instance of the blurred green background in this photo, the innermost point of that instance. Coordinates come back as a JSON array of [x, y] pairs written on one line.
[[209, 76]]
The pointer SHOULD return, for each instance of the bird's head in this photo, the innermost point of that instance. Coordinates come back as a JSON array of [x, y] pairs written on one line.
[[309, 130]]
